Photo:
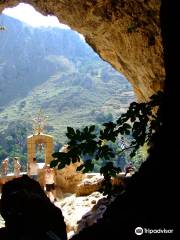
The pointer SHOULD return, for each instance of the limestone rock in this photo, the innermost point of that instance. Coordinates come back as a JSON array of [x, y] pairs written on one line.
[[91, 183], [119, 180], [124, 33], [2, 223], [67, 179], [73, 208], [95, 214]]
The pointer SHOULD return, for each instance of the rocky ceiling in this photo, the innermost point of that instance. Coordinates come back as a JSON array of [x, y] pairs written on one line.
[[124, 33]]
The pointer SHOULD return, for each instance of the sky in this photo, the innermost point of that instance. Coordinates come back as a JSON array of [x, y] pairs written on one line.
[[26, 13]]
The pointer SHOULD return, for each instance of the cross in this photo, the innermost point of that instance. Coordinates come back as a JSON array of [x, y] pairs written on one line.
[[39, 122]]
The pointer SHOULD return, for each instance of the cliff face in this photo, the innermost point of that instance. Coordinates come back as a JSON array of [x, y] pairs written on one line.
[[124, 33]]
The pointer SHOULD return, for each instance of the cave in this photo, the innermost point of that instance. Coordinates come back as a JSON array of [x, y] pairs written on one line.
[[140, 39]]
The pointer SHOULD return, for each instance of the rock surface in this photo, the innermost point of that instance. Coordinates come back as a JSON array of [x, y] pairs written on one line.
[[1, 222], [91, 183], [124, 33], [83, 208], [79, 212], [68, 178]]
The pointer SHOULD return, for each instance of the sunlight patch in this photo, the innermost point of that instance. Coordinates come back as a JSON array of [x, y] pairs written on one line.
[[26, 13]]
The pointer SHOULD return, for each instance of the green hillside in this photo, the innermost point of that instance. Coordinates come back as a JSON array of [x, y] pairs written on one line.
[[54, 70]]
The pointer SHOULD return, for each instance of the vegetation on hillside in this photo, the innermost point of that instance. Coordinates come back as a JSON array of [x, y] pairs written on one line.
[[140, 121], [56, 71]]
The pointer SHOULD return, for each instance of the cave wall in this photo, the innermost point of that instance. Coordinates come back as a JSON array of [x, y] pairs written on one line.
[[124, 33]]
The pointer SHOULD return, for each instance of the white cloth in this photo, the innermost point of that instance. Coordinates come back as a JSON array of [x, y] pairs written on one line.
[[49, 176], [17, 168], [33, 168]]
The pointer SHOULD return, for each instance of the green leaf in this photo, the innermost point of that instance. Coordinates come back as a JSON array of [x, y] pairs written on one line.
[[126, 125], [88, 166], [56, 155], [70, 130], [133, 118], [61, 166], [80, 167], [54, 163], [92, 128], [127, 132], [100, 145]]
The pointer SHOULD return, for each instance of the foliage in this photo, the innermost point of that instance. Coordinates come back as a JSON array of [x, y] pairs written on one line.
[[13, 143], [140, 121], [140, 156], [2, 28]]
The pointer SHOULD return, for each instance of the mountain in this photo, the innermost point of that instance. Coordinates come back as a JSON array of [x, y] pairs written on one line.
[[55, 70], [29, 56]]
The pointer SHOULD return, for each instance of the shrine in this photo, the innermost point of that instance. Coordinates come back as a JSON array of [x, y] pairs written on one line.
[[39, 139]]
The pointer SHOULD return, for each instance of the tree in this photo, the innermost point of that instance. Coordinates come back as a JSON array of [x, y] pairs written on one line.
[[141, 121], [13, 142]]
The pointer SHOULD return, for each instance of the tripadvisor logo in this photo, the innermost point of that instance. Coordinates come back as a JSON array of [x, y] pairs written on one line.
[[140, 231]]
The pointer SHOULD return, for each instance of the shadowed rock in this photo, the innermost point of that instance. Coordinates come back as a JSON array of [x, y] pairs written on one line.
[[28, 213]]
